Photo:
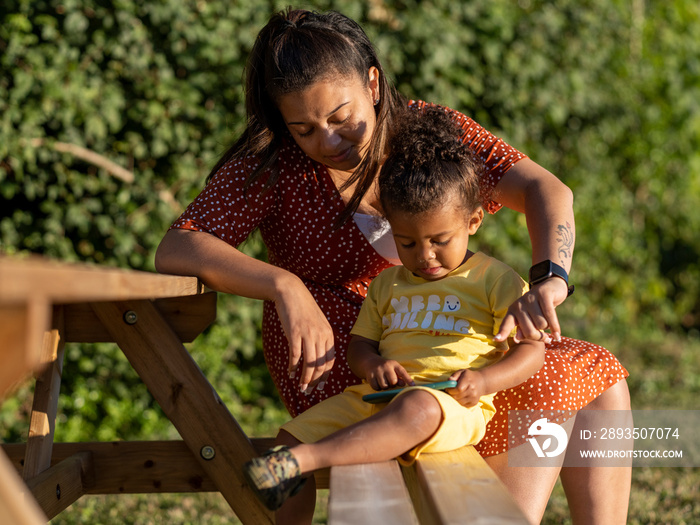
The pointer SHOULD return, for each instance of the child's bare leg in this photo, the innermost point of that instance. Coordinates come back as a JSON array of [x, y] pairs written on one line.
[[299, 509], [408, 421]]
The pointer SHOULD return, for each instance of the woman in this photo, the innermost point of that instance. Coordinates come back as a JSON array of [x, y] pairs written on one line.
[[304, 172]]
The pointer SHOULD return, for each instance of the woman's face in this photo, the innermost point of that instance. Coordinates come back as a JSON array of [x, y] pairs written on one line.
[[332, 120]]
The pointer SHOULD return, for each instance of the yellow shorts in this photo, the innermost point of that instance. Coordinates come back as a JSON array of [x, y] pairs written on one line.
[[460, 426]]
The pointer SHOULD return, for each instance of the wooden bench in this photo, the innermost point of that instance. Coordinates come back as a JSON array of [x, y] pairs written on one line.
[[448, 488], [47, 304]]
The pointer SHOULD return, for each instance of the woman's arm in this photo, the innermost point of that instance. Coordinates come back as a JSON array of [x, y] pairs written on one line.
[[548, 206], [219, 265], [224, 268]]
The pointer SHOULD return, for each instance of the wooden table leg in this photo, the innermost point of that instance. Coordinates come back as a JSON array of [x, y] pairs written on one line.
[[187, 398], [45, 405]]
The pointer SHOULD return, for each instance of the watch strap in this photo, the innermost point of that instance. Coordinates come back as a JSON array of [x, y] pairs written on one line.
[[544, 270], [547, 269]]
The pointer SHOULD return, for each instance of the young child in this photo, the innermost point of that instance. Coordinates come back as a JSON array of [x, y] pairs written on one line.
[[432, 319]]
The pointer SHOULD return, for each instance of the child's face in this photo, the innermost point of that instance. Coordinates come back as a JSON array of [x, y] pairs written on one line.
[[433, 243]]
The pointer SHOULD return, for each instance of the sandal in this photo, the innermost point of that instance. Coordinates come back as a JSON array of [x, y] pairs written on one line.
[[274, 477]]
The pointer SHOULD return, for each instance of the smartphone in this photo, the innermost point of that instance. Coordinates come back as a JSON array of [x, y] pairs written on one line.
[[387, 395]]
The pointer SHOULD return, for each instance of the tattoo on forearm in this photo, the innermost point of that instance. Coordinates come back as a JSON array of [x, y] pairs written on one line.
[[566, 241]]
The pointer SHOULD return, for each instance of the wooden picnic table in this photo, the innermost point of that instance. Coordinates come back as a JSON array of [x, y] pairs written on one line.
[[45, 304]]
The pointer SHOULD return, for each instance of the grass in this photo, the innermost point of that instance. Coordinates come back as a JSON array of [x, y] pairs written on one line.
[[663, 374], [659, 496], [151, 509]]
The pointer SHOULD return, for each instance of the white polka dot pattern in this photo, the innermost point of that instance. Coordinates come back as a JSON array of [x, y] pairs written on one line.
[[574, 374]]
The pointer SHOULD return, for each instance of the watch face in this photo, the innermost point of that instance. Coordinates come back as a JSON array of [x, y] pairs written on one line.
[[540, 271], [546, 269]]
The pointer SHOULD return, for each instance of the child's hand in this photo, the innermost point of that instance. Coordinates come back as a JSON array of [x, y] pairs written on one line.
[[471, 385], [385, 373]]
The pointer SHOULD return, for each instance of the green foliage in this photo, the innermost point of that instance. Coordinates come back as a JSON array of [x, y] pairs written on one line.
[[605, 94], [153, 87]]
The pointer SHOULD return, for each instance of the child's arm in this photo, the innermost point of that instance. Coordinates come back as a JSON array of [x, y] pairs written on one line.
[[366, 363], [519, 363]]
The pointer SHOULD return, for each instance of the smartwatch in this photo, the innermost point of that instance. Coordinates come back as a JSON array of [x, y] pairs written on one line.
[[544, 270]]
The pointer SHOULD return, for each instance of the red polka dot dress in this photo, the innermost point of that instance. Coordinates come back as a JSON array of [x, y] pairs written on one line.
[[297, 218]]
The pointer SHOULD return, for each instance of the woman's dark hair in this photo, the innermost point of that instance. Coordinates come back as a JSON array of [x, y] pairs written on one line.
[[427, 164], [294, 50]]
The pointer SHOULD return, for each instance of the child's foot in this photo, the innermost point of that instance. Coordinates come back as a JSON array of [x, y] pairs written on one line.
[[274, 477]]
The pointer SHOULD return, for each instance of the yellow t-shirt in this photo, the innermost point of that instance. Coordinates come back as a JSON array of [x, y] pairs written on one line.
[[434, 328]]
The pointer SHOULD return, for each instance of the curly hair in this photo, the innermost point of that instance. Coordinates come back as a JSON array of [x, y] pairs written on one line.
[[428, 164]]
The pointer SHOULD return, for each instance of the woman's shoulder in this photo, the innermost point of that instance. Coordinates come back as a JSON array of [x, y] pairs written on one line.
[[235, 169], [498, 156], [471, 129], [458, 116], [241, 171]]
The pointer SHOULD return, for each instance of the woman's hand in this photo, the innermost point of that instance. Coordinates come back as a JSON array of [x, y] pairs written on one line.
[[223, 268], [535, 312], [308, 332], [471, 385]]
